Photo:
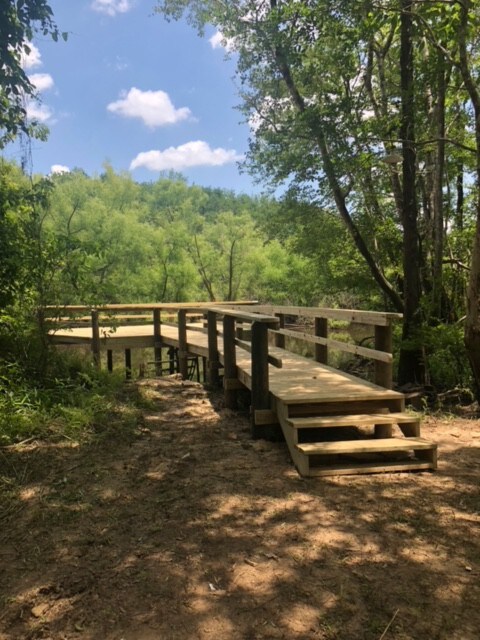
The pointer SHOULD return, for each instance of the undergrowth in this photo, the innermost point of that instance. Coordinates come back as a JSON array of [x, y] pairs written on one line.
[[72, 401]]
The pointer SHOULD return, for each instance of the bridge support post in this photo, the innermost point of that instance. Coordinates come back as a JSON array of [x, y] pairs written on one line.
[[157, 336], [229, 362], [96, 338], [128, 364], [212, 363], [110, 360], [279, 339], [321, 331], [383, 342], [260, 388], [182, 344]]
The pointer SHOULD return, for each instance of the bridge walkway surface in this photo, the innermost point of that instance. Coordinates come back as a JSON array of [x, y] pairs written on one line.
[[333, 423]]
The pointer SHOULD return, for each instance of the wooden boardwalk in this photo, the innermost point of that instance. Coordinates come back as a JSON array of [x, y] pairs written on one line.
[[333, 422]]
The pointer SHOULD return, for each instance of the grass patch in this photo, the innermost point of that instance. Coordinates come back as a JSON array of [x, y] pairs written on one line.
[[74, 401]]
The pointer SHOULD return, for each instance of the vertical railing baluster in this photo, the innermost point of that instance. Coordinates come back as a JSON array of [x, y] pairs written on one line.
[[260, 384], [229, 362], [157, 337], [383, 342], [182, 344], [321, 331], [96, 338], [213, 363]]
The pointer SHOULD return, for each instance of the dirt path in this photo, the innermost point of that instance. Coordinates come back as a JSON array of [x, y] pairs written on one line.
[[188, 529]]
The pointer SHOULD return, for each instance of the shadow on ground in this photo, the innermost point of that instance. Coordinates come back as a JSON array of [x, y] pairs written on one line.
[[188, 529]]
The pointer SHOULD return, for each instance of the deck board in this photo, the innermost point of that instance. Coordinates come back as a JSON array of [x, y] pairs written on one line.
[[299, 381]]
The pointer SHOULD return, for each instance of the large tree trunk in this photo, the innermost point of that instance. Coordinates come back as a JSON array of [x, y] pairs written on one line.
[[472, 321], [411, 366]]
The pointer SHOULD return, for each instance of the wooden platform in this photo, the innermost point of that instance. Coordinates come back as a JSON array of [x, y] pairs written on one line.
[[333, 423]]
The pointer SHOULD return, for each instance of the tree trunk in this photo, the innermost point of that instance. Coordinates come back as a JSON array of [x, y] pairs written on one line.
[[411, 365], [472, 321]]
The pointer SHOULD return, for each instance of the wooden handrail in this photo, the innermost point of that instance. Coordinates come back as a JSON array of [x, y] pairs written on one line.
[[246, 316], [198, 307], [380, 318], [374, 354]]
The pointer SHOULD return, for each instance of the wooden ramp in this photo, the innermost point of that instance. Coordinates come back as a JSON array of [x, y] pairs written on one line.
[[333, 423]]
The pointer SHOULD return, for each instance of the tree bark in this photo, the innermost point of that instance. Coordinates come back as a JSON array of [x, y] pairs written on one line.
[[411, 365], [472, 320]]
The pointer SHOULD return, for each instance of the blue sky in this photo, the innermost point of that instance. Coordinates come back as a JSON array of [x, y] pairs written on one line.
[[138, 92]]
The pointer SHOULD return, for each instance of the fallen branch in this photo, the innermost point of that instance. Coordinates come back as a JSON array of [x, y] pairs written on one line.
[[389, 625]]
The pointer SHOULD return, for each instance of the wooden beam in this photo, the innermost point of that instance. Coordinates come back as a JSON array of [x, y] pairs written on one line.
[[347, 315], [260, 382], [384, 370], [128, 364], [265, 417], [374, 354], [280, 338], [182, 344], [109, 360], [321, 331], [157, 335], [232, 384], [96, 339], [213, 363], [229, 360], [246, 346]]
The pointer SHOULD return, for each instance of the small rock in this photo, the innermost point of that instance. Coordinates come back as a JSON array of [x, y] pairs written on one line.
[[39, 610]]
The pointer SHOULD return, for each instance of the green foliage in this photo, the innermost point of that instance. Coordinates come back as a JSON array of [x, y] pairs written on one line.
[[19, 22], [447, 366], [72, 401]]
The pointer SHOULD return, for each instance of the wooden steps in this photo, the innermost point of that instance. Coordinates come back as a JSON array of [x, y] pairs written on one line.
[[383, 423], [352, 447], [336, 452]]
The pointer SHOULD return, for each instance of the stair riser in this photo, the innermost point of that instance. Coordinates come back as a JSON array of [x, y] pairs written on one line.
[[343, 408]]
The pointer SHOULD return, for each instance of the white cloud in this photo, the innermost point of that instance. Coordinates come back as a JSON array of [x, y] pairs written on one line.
[[31, 59], [41, 81], [39, 112], [218, 41], [154, 108], [111, 7], [59, 168], [192, 154]]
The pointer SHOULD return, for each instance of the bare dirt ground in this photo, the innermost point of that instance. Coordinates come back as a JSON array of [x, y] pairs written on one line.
[[188, 529]]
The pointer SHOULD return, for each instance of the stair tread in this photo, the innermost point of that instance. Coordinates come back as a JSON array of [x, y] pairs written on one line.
[[362, 419], [376, 445], [369, 467]]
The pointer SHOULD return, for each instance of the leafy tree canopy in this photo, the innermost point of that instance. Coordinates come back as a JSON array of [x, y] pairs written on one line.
[[20, 20]]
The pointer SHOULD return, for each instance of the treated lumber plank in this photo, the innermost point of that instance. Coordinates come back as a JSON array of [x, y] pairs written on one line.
[[359, 420], [374, 354], [347, 315], [383, 445], [246, 346], [381, 467], [315, 422]]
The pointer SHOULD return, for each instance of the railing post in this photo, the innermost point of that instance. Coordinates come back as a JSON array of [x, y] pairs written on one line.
[[171, 360], [157, 337], [96, 338], [128, 364], [182, 343], [321, 331], [279, 339], [110, 360], [260, 387], [383, 342], [213, 363], [229, 362]]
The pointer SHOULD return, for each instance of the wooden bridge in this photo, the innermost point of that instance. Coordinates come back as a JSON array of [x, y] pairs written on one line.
[[333, 422]]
